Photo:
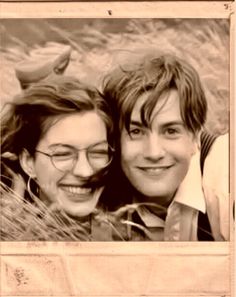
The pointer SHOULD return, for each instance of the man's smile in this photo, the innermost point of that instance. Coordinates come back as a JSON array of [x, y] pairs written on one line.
[[154, 170]]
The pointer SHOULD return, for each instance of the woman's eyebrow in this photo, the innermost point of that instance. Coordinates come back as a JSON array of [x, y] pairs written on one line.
[[60, 145], [55, 145], [100, 142]]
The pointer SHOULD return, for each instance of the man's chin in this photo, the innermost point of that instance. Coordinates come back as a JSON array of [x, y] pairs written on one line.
[[155, 195]]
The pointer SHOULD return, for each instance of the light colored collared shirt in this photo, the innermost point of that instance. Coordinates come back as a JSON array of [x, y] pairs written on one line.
[[216, 188], [209, 193]]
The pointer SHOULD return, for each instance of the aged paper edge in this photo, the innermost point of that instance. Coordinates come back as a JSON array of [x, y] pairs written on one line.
[[162, 9], [178, 9]]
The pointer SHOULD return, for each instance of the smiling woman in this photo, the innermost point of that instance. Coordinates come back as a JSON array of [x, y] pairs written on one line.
[[57, 135]]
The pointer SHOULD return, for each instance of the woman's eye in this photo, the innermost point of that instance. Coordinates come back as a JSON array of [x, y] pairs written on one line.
[[99, 152], [63, 155]]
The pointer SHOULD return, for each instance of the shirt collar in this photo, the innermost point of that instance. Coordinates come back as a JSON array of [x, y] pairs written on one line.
[[189, 193], [149, 218]]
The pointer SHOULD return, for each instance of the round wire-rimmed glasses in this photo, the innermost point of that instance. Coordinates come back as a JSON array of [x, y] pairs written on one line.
[[65, 157]]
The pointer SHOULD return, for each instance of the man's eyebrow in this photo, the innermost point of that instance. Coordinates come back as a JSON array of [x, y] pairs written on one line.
[[136, 123], [173, 123]]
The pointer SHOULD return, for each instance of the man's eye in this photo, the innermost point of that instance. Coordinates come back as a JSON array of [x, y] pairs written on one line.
[[136, 133], [172, 132]]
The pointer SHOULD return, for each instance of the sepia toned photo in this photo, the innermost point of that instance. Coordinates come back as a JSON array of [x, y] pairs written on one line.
[[116, 156], [107, 93]]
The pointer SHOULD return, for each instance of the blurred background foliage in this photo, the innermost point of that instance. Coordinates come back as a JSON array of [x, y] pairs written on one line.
[[99, 44]]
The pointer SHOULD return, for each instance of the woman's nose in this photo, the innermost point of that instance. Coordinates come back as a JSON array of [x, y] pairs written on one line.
[[82, 166], [153, 147]]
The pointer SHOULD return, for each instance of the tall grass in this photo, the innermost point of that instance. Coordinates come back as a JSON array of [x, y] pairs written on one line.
[[21, 220], [97, 46]]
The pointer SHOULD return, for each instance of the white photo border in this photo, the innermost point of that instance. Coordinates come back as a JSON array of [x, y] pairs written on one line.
[[27, 267]]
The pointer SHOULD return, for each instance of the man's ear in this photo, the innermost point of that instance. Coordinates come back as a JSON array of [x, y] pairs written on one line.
[[196, 141], [27, 163]]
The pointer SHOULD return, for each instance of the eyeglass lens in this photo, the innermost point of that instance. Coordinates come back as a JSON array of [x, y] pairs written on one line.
[[98, 158]]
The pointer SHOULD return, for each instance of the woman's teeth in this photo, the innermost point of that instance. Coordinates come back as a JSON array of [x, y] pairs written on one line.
[[77, 190]]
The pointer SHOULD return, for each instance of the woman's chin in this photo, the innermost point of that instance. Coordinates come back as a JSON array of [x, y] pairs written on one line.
[[80, 207], [79, 213]]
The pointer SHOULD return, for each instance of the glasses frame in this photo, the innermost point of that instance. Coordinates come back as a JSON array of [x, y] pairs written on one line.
[[75, 160]]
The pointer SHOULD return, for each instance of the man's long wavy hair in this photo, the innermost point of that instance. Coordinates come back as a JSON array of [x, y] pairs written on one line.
[[156, 74]]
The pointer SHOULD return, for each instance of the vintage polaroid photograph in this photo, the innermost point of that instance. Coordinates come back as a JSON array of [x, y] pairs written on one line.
[[116, 172]]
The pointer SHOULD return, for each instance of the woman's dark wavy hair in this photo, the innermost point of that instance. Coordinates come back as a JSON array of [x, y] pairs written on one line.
[[155, 73], [30, 114]]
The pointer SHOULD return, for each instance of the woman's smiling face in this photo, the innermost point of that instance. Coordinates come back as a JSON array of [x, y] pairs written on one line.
[[70, 134]]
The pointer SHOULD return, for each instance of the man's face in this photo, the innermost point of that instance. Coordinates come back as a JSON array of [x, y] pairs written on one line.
[[156, 160]]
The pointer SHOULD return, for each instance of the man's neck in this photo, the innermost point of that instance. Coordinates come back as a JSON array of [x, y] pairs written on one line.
[[156, 205]]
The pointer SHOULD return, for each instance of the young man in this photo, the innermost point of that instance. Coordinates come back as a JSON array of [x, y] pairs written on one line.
[[160, 109]]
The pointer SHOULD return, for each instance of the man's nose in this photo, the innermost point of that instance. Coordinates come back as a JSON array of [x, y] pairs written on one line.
[[153, 147], [82, 166]]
